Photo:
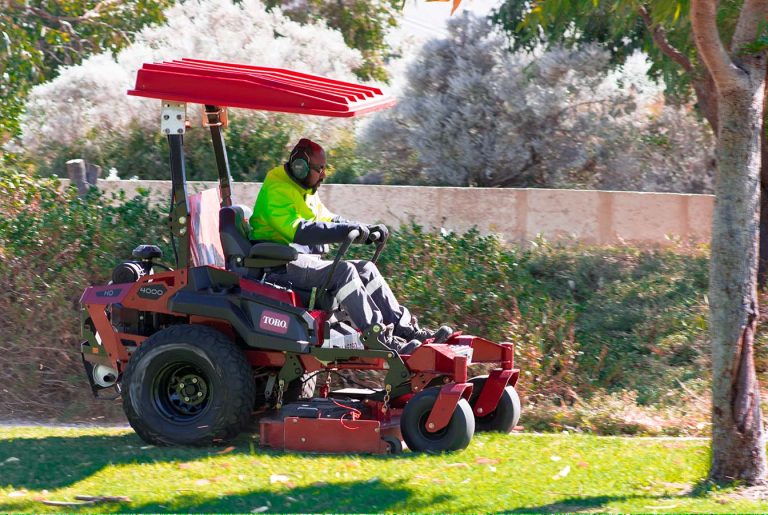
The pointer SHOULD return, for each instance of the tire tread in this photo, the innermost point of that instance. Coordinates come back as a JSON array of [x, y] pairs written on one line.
[[223, 353]]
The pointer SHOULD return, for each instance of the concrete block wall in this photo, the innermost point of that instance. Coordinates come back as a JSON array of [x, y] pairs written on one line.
[[518, 215]]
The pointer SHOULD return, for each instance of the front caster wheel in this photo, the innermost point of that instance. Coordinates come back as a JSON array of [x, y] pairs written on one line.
[[453, 437], [394, 445], [188, 385], [507, 413]]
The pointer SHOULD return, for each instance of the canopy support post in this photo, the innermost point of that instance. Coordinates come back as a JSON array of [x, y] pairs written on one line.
[[215, 118], [173, 121]]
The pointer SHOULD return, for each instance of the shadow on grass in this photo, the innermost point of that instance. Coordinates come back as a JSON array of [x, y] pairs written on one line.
[[599, 503], [574, 504], [346, 497], [56, 462]]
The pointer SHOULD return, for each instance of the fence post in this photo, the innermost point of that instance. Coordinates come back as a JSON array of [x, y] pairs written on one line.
[[92, 174], [83, 175]]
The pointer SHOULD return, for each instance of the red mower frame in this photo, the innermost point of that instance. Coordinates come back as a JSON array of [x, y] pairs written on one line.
[[131, 327]]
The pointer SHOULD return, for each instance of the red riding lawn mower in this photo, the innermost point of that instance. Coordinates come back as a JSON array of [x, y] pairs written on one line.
[[196, 349]]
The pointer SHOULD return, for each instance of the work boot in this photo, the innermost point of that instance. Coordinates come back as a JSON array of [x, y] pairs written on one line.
[[440, 336], [408, 348], [395, 343]]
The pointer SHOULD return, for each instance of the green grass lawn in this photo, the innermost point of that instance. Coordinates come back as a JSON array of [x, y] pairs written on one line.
[[509, 473]]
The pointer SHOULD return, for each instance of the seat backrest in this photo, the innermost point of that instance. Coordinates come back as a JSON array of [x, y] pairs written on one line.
[[232, 230], [205, 238]]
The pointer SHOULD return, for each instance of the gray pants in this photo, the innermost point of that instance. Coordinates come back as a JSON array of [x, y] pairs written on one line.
[[357, 286]]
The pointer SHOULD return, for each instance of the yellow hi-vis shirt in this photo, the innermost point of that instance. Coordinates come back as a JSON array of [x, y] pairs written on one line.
[[281, 205]]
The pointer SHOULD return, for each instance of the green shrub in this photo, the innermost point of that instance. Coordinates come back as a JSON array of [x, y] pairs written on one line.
[[52, 246], [608, 339], [254, 147], [584, 320]]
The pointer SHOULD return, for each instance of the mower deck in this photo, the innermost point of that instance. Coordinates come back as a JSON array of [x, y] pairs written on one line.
[[340, 432]]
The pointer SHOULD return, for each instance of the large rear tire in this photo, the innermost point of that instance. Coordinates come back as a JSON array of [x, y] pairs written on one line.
[[453, 437], [188, 385], [507, 413]]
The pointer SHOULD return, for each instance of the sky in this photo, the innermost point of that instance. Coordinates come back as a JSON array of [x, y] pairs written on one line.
[[424, 20]]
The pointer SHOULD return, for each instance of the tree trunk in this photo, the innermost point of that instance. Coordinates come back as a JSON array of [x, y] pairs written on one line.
[[738, 447], [738, 444], [762, 263]]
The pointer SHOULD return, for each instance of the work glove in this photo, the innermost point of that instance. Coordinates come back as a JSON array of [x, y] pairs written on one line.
[[364, 233], [377, 233]]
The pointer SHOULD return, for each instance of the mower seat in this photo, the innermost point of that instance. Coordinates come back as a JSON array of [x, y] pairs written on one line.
[[240, 254]]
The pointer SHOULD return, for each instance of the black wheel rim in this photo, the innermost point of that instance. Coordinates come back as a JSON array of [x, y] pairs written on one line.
[[487, 419], [181, 392]]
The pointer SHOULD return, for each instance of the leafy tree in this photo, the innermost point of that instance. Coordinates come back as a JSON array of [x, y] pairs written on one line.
[[473, 114], [660, 28], [37, 37], [363, 23], [738, 445], [84, 112], [730, 88]]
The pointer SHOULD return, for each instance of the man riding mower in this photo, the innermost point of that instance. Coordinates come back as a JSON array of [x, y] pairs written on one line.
[[289, 211], [232, 328]]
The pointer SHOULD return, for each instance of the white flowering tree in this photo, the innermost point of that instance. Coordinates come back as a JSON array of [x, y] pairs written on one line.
[[474, 114], [86, 106]]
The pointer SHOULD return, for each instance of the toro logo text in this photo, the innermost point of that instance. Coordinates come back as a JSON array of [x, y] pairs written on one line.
[[274, 322]]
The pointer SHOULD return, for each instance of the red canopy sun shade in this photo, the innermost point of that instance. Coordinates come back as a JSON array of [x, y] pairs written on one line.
[[256, 87]]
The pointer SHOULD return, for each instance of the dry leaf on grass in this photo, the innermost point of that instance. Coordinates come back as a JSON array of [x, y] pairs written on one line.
[[202, 482], [487, 461], [564, 472], [227, 450], [456, 465], [278, 478]]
